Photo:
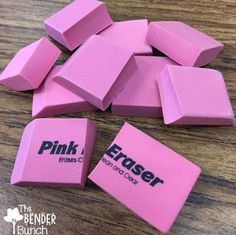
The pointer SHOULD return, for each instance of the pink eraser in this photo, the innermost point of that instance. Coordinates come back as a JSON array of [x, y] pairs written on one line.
[[97, 71], [55, 152], [182, 43], [145, 99], [194, 96], [130, 34], [75, 23], [30, 66], [53, 99], [146, 176]]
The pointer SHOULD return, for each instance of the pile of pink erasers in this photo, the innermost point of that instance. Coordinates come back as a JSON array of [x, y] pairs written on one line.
[[114, 66]]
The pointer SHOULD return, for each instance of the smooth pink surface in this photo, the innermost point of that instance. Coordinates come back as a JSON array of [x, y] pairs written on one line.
[[32, 168], [130, 34], [182, 43], [159, 205], [97, 71], [140, 96], [30, 66], [76, 22], [194, 96], [53, 99]]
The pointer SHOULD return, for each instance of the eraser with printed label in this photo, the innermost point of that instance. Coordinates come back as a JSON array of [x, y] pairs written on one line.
[[98, 71], [55, 152], [194, 96], [75, 23], [30, 66], [146, 176], [145, 99], [182, 43], [53, 99], [130, 34]]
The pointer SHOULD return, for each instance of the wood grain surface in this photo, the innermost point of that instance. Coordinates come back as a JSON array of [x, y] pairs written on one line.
[[211, 207]]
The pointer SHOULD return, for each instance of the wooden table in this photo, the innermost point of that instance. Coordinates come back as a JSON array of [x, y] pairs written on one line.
[[211, 207]]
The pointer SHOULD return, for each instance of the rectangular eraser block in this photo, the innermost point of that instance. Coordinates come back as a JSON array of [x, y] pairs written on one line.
[[145, 99], [75, 23], [130, 34], [55, 152], [53, 99], [97, 71], [146, 176], [194, 96], [30, 66], [191, 47]]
